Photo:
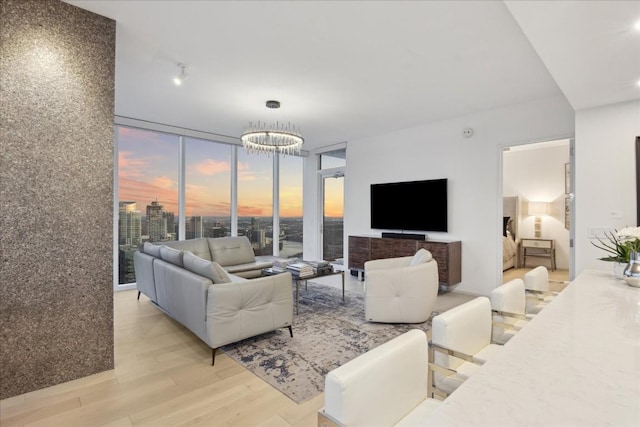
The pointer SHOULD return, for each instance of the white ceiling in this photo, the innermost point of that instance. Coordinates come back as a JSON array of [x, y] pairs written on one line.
[[345, 70]]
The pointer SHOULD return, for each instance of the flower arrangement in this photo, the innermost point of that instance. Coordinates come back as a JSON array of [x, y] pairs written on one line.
[[620, 244]]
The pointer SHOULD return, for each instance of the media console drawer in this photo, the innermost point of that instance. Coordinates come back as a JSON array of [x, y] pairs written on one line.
[[448, 254]]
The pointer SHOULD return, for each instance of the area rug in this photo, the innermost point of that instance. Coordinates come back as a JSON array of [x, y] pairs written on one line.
[[326, 334]]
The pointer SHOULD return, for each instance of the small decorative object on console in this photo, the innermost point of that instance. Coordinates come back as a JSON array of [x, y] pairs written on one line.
[[632, 271], [620, 244]]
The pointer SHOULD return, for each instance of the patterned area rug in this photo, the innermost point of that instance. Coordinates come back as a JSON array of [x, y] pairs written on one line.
[[326, 334]]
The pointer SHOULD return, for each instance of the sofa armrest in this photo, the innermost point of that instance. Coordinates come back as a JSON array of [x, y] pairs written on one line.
[[240, 310], [182, 295], [145, 281]]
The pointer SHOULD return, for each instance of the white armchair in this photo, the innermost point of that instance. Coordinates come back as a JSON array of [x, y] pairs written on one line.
[[401, 290], [508, 302], [461, 342], [539, 294], [386, 386]]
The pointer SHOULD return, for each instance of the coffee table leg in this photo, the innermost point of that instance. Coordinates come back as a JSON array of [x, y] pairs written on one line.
[[342, 286], [297, 294]]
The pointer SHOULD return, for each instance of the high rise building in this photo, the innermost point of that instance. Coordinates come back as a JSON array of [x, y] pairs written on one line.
[[156, 222], [171, 223], [129, 239], [194, 227], [129, 228], [257, 237]]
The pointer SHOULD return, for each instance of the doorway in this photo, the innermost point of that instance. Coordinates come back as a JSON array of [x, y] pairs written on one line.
[[332, 170], [537, 190], [332, 228]]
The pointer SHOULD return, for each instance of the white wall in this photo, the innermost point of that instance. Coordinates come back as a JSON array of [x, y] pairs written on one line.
[[605, 175], [536, 173], [472, 166]]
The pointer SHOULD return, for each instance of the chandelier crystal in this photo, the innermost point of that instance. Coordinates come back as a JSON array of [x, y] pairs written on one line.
[[283, 139]]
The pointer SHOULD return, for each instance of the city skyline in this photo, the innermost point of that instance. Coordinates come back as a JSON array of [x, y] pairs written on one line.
[[148, 171]]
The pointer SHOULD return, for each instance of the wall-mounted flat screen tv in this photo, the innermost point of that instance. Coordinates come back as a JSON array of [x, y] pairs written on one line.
[[410, 205]]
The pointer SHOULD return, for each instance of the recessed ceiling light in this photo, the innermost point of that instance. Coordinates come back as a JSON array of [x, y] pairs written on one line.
[[637, 26]]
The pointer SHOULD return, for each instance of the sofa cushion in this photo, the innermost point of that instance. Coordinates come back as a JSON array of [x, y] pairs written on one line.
[[174, 256], [199, 246], [421, 257], [206, 268], [151, 249], [231, 250]]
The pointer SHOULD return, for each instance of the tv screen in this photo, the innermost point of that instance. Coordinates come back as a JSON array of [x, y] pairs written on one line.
[[410, 206]]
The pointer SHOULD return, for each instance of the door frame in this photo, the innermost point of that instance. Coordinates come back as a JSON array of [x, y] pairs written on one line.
[[338, 172], [571, 195]]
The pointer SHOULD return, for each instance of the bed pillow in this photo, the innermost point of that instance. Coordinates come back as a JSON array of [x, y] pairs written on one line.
[[209, 269], [421, 257]]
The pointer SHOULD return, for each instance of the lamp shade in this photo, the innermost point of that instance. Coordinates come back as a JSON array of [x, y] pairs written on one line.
[[538, 208]]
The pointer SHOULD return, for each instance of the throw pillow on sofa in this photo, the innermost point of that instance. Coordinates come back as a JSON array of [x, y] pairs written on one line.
[[209, 269], [174, 256], [421, 257]]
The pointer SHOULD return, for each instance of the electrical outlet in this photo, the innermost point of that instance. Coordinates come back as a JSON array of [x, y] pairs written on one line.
[[616, 214]]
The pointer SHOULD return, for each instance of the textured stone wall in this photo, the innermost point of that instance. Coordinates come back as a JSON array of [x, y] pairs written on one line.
[[57, 66]]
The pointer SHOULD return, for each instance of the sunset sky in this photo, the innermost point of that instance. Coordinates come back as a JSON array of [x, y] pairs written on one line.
[[148, 171]]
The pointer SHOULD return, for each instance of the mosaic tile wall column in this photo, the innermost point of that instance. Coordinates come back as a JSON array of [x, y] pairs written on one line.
[[57, 66]]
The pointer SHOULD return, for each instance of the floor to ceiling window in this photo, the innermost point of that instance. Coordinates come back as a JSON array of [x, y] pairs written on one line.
[[290, 203], [149, 198], [207, 189], [147, 193], [255, 200]]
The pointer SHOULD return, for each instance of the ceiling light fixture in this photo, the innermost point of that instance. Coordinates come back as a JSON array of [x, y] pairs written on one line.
[[278, 138], [179, 79], [637, 26]]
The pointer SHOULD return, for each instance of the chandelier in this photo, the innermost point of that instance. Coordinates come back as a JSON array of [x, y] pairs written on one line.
[[278, 138]]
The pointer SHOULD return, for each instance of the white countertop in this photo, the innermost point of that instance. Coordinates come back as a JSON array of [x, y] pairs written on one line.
[[576, 364]]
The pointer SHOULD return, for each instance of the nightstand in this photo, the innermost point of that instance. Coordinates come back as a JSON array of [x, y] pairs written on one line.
[[538, 248]]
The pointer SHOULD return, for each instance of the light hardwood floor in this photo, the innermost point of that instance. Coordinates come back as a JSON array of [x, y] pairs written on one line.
[[163, 377]]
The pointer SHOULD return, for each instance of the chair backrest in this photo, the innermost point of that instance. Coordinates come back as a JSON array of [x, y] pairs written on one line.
[[382, 385], [466, 328], [537, 279], [404, 294], [509, 297]]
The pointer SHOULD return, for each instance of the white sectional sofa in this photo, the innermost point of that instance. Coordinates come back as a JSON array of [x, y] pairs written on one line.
[[186, 279]]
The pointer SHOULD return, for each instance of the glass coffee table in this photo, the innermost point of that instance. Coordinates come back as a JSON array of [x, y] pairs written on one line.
[[297, 280]]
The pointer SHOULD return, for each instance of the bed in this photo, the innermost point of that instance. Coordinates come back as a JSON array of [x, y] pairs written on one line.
[[509, 245], [510, 211]]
